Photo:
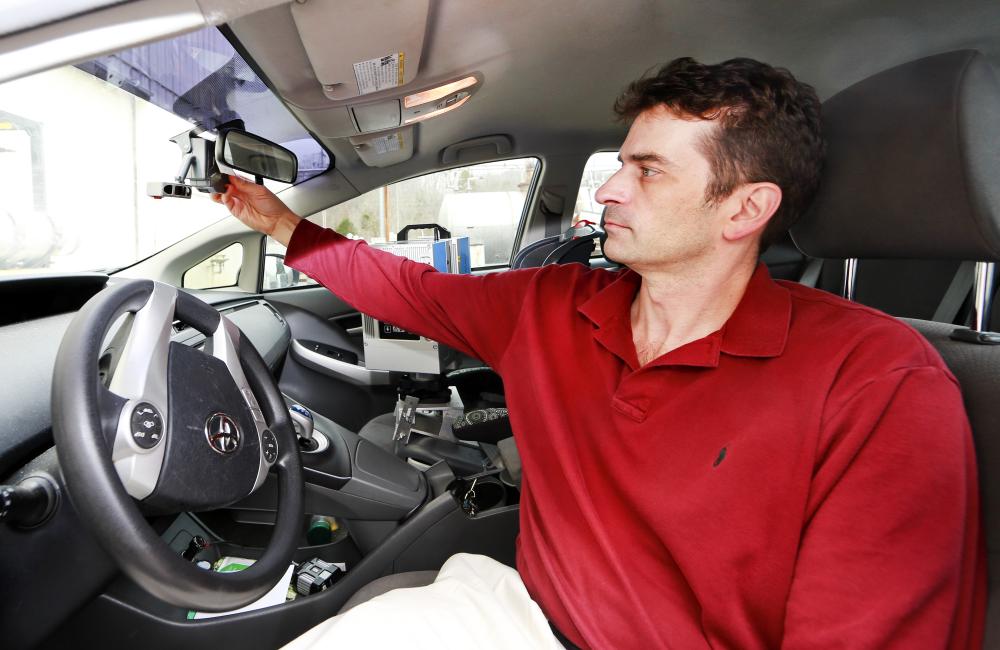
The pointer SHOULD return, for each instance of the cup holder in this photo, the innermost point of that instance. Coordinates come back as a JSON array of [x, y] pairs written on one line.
[[490, 493], [481, 493]]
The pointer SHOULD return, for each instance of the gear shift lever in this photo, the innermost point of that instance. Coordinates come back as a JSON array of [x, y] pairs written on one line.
[[302, 420]]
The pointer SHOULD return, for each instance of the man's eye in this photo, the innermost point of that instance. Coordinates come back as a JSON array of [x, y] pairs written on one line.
[[646, 171]]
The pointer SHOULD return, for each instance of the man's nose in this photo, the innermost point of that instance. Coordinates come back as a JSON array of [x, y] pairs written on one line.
[[614, 190]]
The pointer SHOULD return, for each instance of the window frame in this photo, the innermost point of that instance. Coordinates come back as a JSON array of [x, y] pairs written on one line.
[[525, 211], [239, 272]]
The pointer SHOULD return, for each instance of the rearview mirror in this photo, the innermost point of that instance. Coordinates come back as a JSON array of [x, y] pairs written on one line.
[[255, 155]]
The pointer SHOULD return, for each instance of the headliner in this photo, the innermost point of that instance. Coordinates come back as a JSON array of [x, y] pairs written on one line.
[[552, 70]]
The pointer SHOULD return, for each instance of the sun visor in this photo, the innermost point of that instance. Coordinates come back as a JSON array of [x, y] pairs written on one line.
[[359, 47], [912, 165], [384, 149]]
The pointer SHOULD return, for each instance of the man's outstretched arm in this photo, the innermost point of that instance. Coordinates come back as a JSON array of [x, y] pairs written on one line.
[[474, 314]]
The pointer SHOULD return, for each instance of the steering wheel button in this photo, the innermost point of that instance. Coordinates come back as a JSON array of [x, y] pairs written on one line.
[[269, 446], [146, 425]]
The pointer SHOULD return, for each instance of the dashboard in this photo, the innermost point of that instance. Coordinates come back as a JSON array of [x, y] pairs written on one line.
[[37, 310], [396, 516], [35, 315]]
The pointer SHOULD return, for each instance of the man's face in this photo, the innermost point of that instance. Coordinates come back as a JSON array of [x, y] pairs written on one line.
[[657, 215]]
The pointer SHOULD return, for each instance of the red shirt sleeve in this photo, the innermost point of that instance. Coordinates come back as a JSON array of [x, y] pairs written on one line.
[[891, 553], [474, 314]]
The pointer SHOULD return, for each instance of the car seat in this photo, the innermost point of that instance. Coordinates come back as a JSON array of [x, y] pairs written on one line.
[[574, 245], [912, 173]]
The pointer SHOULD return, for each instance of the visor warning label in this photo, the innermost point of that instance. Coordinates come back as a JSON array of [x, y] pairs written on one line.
[[383, 73], [388, 143]]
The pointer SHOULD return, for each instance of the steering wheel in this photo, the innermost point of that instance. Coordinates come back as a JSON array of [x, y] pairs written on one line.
[[168, 429]]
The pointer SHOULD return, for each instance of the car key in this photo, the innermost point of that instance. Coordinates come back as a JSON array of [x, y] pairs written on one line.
[[469, 502]]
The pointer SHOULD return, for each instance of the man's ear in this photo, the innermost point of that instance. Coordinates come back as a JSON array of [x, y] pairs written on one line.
[[755, 204]]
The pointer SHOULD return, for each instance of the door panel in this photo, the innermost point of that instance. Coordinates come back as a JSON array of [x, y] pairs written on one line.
[[315, 299], [346, 402]]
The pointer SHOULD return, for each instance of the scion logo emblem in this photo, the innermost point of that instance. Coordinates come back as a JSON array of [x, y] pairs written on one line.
[[222, 433]]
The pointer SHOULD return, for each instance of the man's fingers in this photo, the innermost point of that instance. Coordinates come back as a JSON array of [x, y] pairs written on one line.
[[241, 182], [248, 187], [227, 201], [227, 198], [240, 197]]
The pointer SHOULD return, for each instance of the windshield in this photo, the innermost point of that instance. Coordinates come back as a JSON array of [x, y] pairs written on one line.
[[79, 144]]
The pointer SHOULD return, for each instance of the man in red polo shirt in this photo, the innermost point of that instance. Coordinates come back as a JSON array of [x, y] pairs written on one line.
[[756, 464]]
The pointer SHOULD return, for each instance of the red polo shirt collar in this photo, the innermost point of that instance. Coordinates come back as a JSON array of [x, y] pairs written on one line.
[[757, 328]]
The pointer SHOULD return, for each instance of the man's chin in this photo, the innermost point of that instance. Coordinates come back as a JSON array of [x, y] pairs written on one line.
[[615, 252]]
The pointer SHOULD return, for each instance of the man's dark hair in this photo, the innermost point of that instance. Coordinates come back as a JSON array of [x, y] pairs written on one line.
[[769, 127]]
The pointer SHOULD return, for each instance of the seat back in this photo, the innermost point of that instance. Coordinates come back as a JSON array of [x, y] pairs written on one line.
[[911, 174], [976, 368]]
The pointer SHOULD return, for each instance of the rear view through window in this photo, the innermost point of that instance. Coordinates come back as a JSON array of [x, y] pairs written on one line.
[[483, 202]]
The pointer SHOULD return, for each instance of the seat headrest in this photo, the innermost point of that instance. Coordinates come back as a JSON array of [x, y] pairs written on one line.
[[574, 245], [913, 165]]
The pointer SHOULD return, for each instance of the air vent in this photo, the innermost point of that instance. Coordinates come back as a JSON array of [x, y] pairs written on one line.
[[369, 324]]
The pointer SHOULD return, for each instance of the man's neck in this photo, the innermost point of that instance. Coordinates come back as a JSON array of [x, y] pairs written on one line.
[[675, 306]]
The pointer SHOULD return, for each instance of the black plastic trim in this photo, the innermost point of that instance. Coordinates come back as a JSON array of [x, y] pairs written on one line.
[[36, 296]]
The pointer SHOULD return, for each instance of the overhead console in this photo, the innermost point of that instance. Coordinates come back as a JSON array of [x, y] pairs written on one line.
[[363, 78], [367, 60]]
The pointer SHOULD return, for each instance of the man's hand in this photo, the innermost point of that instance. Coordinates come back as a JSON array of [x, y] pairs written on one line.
[[259, 208]]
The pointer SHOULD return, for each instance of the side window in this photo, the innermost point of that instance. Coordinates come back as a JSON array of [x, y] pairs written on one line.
[[221, 269], [483, 202], [276, 274], [599, 168]]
